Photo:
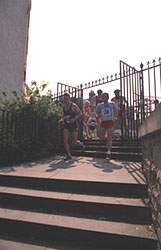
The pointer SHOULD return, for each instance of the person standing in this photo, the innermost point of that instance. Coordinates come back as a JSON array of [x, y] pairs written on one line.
[[106, 114], [98, 101], [86, 114], [121, 115], [92, 100], [71, 115], [99, 97], [92, 126]]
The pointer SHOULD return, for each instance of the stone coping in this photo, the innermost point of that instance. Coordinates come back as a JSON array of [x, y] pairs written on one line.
[[152, 123]]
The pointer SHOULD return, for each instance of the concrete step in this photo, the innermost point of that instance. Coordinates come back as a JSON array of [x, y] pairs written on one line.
[[123, 156], [91, 206], [130, 190], [15, 243], [114, 148], [114, 142], [95, 234]]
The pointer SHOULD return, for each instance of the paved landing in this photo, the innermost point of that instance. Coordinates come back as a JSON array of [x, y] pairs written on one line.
[[79, 168]]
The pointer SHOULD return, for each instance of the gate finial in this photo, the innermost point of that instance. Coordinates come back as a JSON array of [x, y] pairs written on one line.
[[141, 65]]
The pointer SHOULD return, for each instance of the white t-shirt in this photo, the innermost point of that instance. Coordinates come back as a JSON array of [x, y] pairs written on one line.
[[106, 111]]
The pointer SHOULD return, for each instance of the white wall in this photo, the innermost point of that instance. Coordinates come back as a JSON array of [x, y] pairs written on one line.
[[14, 15]]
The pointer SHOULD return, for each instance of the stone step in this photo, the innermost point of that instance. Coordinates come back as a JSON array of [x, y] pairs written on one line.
[[123, 156], [90, 233], [14, 243], [114, 142], [130, 190], [114, 148], [91, 206]]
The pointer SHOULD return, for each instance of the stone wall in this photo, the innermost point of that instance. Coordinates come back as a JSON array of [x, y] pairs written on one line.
[[13, 43], [150, 134]]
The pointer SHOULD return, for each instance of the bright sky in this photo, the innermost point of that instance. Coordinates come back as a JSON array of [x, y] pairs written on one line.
[[79, 41]]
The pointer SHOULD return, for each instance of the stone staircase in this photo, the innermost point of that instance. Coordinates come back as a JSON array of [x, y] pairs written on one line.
[[75, 214], [124, 150]]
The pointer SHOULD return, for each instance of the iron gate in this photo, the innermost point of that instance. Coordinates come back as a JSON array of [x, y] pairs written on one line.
[[140, 88]]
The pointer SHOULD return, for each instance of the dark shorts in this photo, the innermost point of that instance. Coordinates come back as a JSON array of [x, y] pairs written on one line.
[[71, 129], [92, 127]]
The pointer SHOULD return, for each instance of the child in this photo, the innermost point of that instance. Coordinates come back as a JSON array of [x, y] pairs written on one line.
[[92, 126]]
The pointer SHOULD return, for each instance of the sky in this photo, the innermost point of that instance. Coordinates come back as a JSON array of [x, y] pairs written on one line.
[[79, 41]]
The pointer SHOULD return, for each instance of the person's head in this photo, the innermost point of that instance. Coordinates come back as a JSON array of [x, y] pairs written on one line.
[[66, 98], [91, 94], [156, 101], [117, 92], [86, 104], [105, 97], [99, 92]]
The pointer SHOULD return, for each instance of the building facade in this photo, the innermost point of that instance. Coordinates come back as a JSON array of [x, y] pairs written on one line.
[[14, 29]]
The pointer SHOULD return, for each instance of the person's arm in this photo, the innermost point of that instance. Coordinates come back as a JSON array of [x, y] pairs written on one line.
[[89, 121], [78, 111], [115, 112], [97, 115], [62, 118]]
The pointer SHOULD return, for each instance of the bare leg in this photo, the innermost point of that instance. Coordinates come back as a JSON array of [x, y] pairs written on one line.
[[90, 133], [95, 134], [85, 129], [74, 139], [124, 124], [109, 138], [66, 134], [103, 133]]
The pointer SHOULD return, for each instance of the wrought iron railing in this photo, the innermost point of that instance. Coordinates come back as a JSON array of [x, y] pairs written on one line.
[[141, 88], [18, 137]]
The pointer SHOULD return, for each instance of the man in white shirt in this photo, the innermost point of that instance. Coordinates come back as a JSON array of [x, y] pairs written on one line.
[[106, 114]]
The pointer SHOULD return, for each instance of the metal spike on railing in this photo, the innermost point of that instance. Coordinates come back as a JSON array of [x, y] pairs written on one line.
[[96, 82], [115, 75], [141, 65], [107, 78], [99, 81], [85, 85], [92, 83], [103, 79], [89, 84], [154, 61], [148, 63], [111, 77], [81, 85]]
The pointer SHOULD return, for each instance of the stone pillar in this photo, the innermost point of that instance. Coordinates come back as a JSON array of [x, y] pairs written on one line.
[[14, 25]]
